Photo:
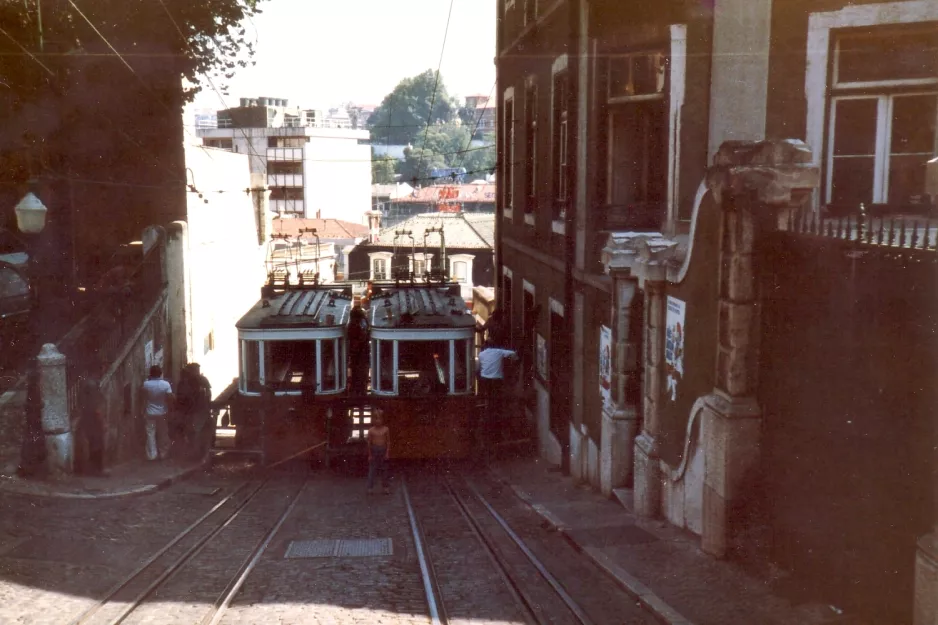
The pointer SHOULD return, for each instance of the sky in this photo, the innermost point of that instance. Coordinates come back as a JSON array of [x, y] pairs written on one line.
[[320, 53]]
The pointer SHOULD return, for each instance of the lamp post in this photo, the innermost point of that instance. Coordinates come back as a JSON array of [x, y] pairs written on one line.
[[48, 398]]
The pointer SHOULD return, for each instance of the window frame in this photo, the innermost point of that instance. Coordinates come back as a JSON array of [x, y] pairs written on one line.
[[508, 153], [530, 156], [560, 143], [884, 93], [375, 256]]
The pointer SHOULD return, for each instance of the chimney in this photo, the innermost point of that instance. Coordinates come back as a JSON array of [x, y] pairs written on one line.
[[374, 225], [262, 217]]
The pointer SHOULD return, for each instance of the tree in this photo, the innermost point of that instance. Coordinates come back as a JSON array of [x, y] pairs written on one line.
[[73, 110], [417, 164], [382, 169], [404, 113]]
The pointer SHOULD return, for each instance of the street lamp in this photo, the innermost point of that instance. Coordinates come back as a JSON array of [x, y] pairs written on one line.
[[31, 214], [47, 417]]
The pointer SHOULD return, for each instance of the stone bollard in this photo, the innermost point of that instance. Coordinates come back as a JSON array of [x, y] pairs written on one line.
[[56, 426]]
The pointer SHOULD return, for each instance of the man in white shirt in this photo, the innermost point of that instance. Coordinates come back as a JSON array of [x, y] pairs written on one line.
[[157, 395], [492, 378]]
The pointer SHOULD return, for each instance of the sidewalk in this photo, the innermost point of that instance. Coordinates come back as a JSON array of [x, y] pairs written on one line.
[[662, 566], [132, 478]]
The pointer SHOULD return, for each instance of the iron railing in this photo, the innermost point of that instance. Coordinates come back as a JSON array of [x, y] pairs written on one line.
[[902, 232]]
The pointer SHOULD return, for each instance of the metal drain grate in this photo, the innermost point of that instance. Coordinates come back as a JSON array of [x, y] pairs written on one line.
[[340, 548]]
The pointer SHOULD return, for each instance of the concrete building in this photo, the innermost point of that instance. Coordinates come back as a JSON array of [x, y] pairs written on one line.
[[315, 166], [481, 113], [618, 180]]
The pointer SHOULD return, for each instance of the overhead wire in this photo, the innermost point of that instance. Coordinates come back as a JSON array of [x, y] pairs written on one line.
[[435, 87]]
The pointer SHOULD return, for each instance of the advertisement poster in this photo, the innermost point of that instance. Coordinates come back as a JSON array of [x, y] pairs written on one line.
[[541, 357], [605, 365], [674, 346]]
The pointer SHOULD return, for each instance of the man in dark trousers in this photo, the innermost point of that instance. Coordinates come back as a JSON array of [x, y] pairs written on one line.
[[194, 398], [492, 380]]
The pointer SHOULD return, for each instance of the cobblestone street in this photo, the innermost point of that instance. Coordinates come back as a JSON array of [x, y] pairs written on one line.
[[302, 547]]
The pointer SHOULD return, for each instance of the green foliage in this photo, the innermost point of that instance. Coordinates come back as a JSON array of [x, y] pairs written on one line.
[[209, 40], [382, 169], [404, 113]]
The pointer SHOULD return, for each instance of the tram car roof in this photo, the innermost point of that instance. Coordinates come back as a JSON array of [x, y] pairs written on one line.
[[300, 306], [419, 306]]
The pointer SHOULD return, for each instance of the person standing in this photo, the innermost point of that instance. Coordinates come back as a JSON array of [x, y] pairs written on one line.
[[492, 380], [193, 404], [379, 450], [157, 396]]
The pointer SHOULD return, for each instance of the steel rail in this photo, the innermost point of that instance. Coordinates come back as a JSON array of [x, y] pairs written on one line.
[[186, 557], [428, 576], [248, 565], [520, 597], [84, 616], [571, 604]]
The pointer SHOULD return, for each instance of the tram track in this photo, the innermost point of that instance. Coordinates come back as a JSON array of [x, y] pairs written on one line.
[[213, 530], [538, 597]]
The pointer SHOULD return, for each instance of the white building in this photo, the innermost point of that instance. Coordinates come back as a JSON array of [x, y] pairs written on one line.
[[314, 169]]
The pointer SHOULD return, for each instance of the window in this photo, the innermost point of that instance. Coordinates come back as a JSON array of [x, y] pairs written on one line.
[[284, 167], [208, 343], [508, 151], [289, 364], [250, 366], [530, 156], [505, 304], [559, 141], [638, 134], [423, 367], [420, 268], [883, 117], [379, 269], [459, 271]]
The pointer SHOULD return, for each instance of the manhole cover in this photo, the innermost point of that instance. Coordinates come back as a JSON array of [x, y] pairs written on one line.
[[340, 548]]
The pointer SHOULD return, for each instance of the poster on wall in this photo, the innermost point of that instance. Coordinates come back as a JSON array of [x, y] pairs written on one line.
[[674, 346], [541, 357], [605, 365]]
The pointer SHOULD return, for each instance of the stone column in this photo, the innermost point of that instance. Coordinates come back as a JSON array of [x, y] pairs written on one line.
[[56, 426], [750, 182], [620, 416], [647, 492]]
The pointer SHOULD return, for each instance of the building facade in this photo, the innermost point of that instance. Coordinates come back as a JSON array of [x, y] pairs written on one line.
[[415, 246], [315, 167], [440, 198], [611, 116]]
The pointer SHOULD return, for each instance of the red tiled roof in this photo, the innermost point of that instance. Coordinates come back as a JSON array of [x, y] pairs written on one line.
[[325, 228], [445, 193]]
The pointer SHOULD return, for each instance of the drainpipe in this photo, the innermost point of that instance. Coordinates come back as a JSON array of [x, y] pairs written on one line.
[[569, 301]]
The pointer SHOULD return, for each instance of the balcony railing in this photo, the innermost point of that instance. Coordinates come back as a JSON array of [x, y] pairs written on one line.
[[285, 180], [284, 154], [288, 206]]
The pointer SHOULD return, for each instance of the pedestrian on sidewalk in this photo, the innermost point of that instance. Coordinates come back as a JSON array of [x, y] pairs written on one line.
[[157, 395], [379, 450], [194, 413], [89, 428], [492, 381]]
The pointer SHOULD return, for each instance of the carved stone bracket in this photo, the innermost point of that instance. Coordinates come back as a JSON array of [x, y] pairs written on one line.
[[769, 171]]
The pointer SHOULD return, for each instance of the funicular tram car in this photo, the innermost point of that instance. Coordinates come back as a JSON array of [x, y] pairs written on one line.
[[293, 348], [422, 367]]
